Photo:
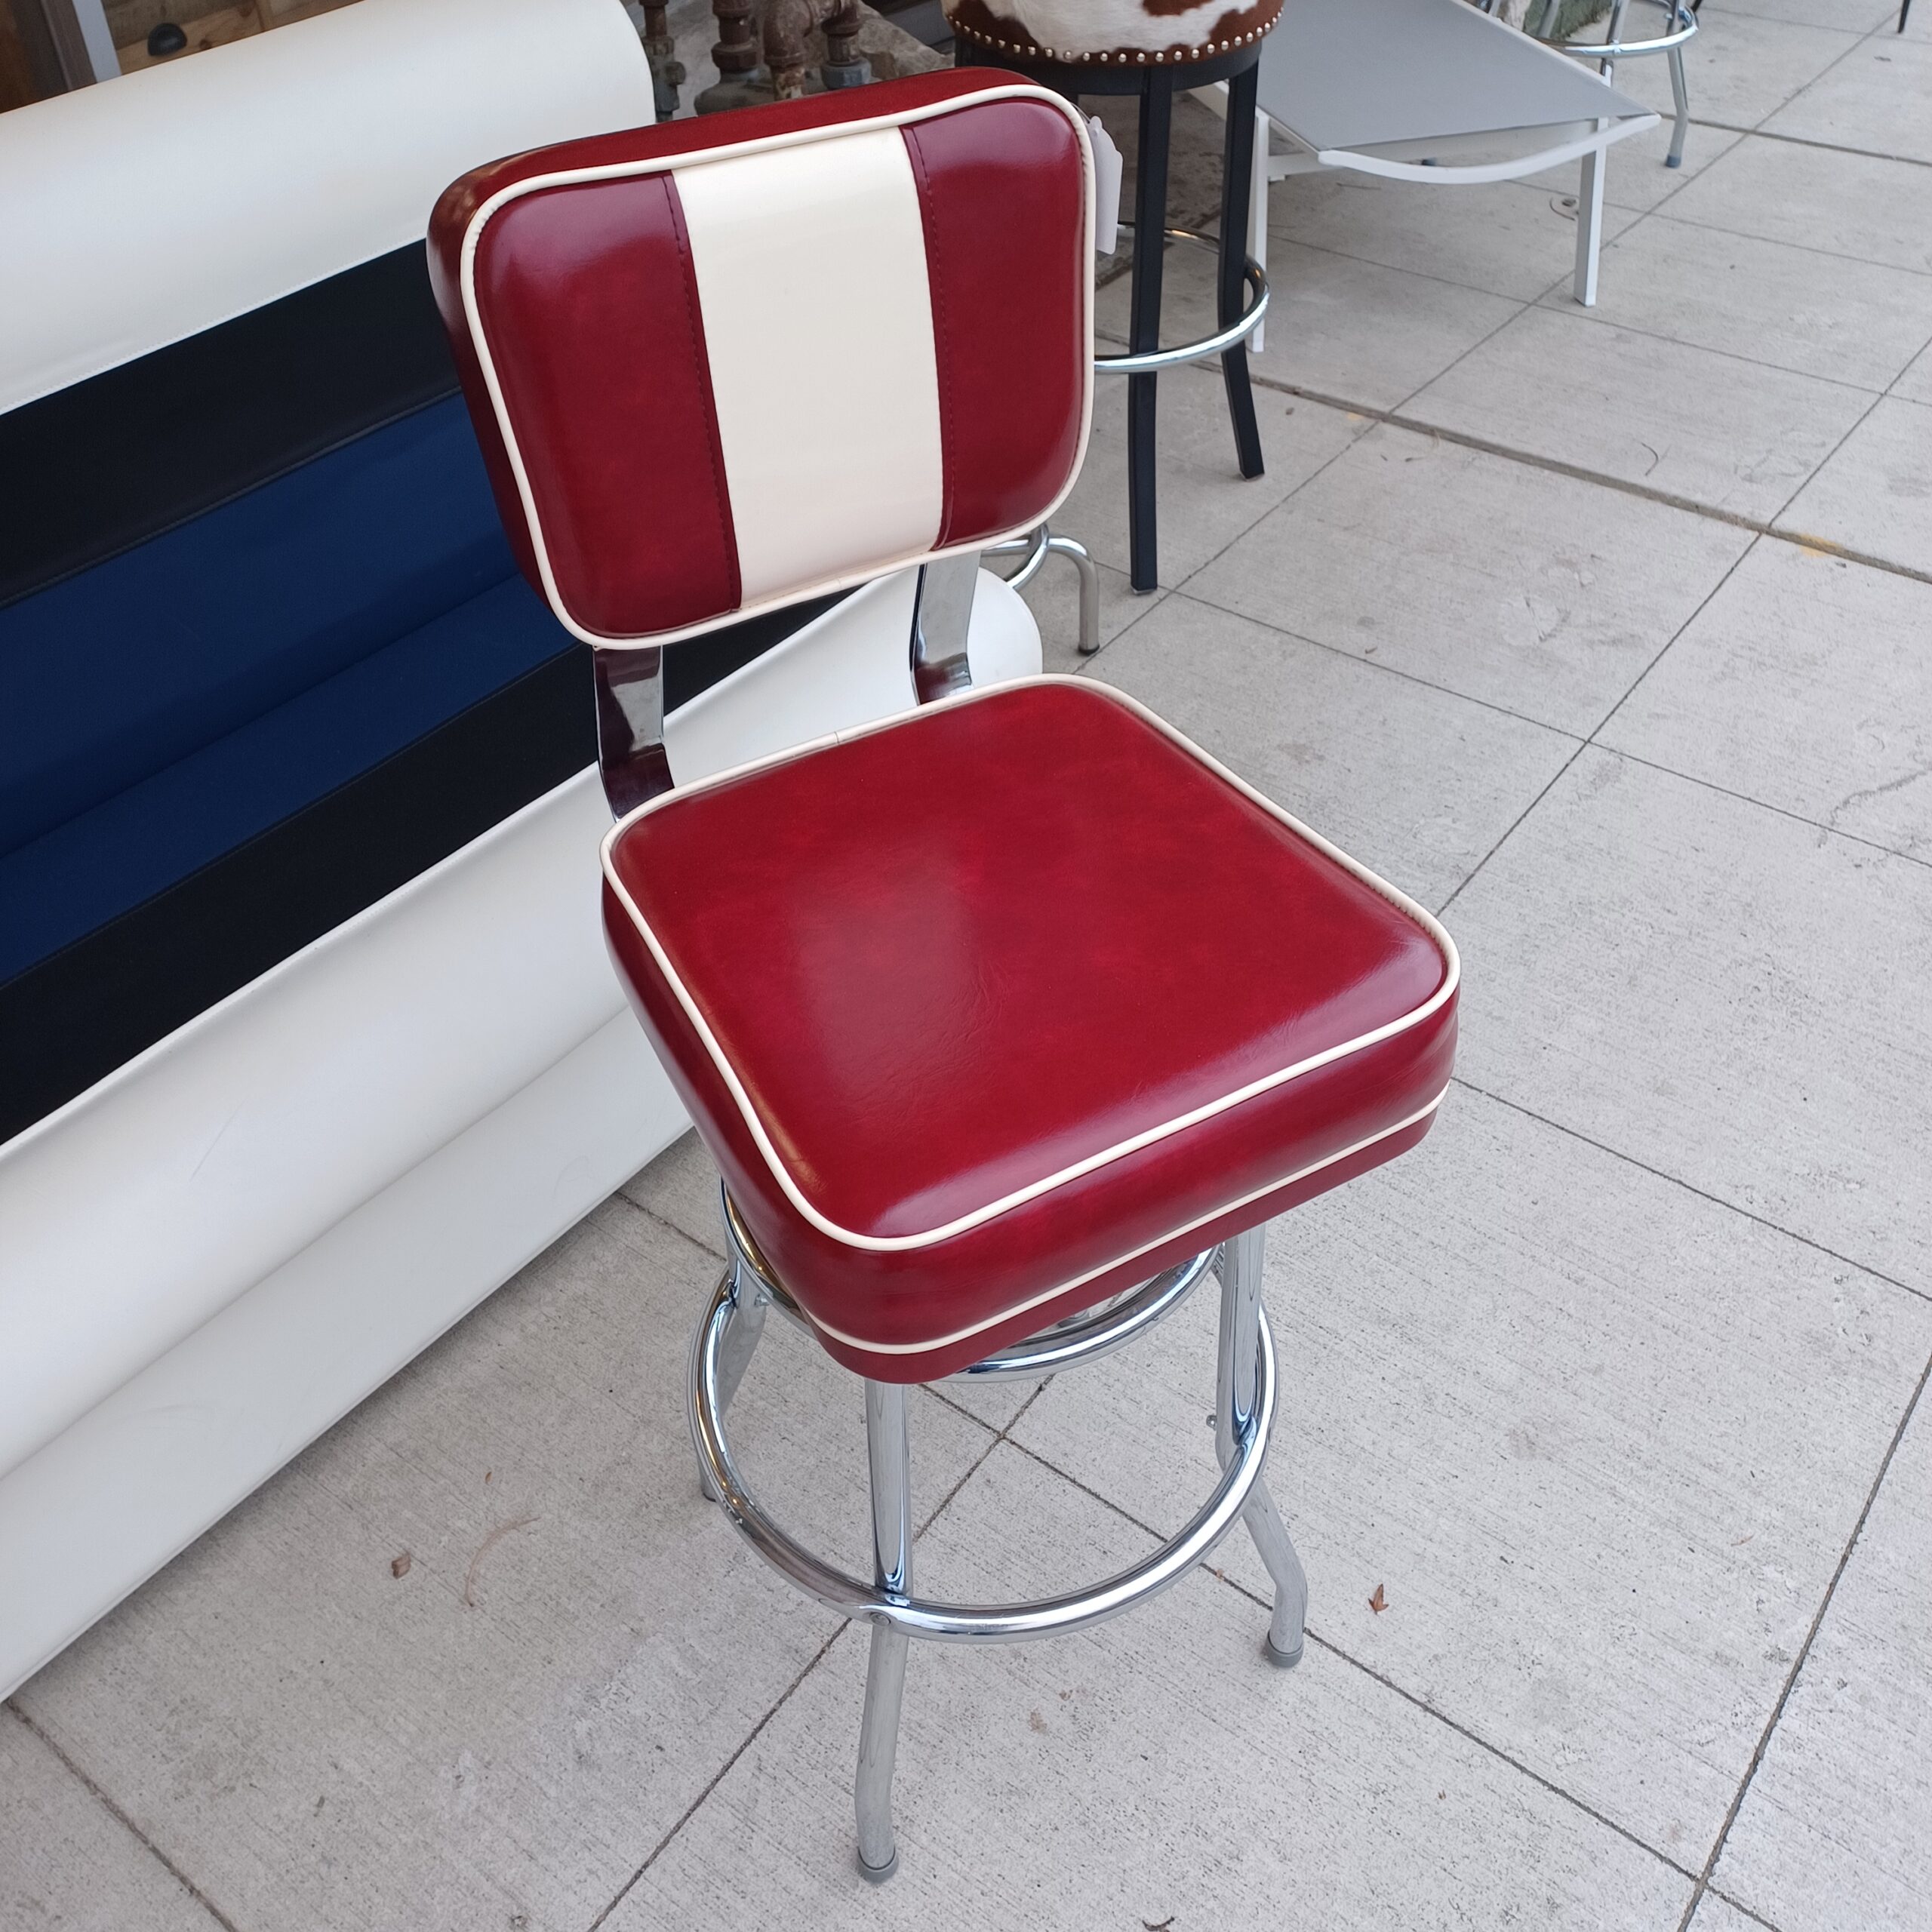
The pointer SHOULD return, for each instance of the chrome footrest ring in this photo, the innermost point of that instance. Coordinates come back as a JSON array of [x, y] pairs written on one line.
[[985, 1623], [1237, 332]]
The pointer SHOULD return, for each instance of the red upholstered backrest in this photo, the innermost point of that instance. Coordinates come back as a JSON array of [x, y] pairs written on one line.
[[721, 366]]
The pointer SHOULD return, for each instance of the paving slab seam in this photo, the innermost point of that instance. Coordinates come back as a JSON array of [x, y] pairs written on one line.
[[1202, 602], [1764, 133], [1636, 684], [1578, 313], [823, 1651], [1481, 288], [1149, 603], [1340, 255], [1368, 1670], [107, 1804], [1578, 472], [1804, 1649], [937, 1390], [1743, 1911], [1581, 745], [1781, 241], [690, 1811], [1689, 1187], [1799, 489], [1855, 38], [1782, 811], [669, 1226]]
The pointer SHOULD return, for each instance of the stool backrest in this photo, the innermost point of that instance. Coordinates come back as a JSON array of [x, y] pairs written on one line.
[[721, 366]]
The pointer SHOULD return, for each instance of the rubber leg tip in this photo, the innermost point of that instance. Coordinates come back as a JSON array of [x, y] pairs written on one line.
[[1280, 1659], [876, 1875], [1673, 160]]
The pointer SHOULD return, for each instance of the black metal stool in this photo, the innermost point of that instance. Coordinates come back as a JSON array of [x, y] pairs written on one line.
[[1242, 290]]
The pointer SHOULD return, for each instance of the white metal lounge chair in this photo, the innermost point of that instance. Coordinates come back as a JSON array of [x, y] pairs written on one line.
[[1430, 90]]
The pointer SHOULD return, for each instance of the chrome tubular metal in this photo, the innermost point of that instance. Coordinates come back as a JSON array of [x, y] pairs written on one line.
[[1237, 332], [942, 617], [1039, 546], [1033, 545], [1680, 96], [1680, 23], [889, 1455], [1245, 1362], [1683, 23], [1075, 1610], [1096, 1332], [1243, 1417], [750, 1298], [630, 726]]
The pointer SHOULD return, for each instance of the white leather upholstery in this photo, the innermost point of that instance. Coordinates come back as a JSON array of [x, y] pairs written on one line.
[[809, 256], [148, 208]]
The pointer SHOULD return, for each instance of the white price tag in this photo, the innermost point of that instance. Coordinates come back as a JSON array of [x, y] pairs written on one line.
[[1107, 189]]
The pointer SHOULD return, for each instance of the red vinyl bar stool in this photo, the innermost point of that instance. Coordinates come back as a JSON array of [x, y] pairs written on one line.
[[853, 957]]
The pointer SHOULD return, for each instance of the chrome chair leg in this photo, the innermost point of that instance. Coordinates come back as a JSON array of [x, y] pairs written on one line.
[[889, 1455], [1038, 545], [1681, 94], [1236, 1387], [1075, 553], [749, 1301]]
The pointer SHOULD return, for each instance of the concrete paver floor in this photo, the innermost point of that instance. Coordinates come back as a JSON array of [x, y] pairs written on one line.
[[1609, 634]]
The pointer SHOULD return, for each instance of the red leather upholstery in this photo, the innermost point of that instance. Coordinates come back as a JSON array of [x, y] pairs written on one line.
[[993, 1010], [612, 300]]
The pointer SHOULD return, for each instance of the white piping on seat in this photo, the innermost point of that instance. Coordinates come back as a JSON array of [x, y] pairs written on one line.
[[897, 1244], [1146, 1247]]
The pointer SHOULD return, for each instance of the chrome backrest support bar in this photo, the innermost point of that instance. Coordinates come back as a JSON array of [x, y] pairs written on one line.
[[942, 619], [630, 727]]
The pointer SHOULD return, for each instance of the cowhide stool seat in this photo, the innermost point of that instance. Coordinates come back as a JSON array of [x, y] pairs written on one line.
[[1152, 48], [853, 957]]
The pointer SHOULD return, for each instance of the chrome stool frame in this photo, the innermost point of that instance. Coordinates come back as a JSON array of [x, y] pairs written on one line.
[[1244, 1415], [1680, 23]]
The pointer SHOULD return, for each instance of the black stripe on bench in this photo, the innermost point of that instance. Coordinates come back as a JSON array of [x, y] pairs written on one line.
[[72, 1019], [137, 450]]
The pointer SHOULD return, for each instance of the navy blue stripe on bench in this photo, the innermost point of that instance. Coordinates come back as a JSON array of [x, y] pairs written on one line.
[[111, 676], [139, 448], [138, 843]]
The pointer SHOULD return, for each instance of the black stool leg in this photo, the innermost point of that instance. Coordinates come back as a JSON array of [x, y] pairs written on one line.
[[1237, 186], [1150, 223]]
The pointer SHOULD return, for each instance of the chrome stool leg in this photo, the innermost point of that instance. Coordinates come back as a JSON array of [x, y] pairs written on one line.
[[750, 1300], [1235, 1392], [1681, 94], [1246, 1415], [889, 1455], [1089, 574], [1038, 545]]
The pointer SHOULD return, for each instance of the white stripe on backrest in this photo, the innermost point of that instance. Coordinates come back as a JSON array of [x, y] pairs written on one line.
[[811, 272]]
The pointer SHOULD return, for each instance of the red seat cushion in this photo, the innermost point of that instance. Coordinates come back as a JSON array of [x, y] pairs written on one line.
[[990, 1011]]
